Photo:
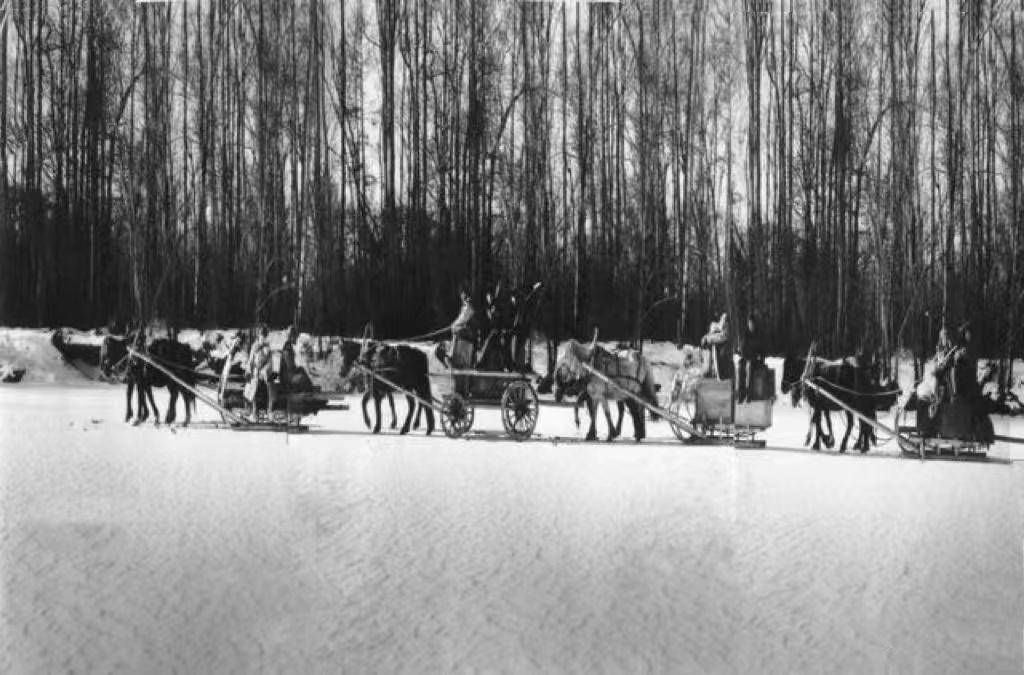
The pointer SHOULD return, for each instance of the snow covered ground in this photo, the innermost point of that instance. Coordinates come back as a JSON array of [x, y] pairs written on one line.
[[162, 549]]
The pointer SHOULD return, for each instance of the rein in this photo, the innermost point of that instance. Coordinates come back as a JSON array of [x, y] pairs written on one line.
[[820, 381]]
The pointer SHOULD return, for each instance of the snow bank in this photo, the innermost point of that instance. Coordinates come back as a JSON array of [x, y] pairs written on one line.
[[31, 349]]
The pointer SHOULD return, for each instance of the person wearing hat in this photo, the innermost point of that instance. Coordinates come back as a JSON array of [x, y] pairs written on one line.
[[719, 341], [463, 332], [292, 377], [965, 364], [751, 358], [259, 366]]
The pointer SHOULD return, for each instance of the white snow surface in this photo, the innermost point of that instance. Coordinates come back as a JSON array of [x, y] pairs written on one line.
[[163, 549]]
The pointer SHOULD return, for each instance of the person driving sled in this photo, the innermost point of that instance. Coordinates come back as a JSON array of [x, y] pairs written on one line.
[[751, 358], [717, 339], [259, 366]]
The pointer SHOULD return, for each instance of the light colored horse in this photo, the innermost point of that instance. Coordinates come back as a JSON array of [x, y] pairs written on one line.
[[627, 369]]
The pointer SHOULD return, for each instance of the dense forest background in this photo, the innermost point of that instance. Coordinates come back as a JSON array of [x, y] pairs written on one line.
[[851, 171]]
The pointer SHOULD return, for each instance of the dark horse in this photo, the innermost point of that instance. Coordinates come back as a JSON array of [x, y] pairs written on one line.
[[406, 366], [847, 380], [114, 359], [179, 359]]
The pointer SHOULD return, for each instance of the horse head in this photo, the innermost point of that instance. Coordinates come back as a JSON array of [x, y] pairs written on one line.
[[112, 351], [351, 351], [793, 371], [569, 372]]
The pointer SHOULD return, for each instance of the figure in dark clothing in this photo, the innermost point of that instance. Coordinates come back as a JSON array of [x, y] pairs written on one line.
[[965, 365], [751, 358]]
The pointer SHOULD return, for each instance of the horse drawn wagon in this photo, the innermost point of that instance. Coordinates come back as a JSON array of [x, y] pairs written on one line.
[[713, 410], [952, 429], [294, 398], [479, 383], [290, 403]]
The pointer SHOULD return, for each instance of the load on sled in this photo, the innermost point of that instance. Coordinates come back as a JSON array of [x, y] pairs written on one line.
[[952, 415]]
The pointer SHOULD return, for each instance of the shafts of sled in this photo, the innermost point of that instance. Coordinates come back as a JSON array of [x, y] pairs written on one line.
[[878, 426], [422, 401], [671, 417], [198, 394]]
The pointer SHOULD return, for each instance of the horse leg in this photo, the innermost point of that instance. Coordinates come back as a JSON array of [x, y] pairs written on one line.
[[189, 401], [849, 428], [366, 414], [816, 423], [424, 393], [394, 417], [592, 409], [128, 402], [639, 422], [141, 409], [622, 413], [612, 433], [411, 402], [173, 405], [152, 403], [377, 396], [830, 440], [427, 410]]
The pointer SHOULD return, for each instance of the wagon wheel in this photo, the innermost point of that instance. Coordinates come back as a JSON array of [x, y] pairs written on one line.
[[519, 410], [684, 410], [456, 415]]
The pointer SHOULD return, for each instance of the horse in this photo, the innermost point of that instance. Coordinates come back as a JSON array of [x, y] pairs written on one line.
[[114, 352], [354, 349], [178, 358], [629, 370], [406, 366], [846, 380]]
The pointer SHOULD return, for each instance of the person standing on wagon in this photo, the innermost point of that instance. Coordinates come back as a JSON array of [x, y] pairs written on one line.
[[718, 340], [462, 333], [751, 358]]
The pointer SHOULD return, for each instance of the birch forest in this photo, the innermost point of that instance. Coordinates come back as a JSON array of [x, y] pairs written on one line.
[[851, 171]]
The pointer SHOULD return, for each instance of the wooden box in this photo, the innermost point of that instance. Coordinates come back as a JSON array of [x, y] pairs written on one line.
[[762, 386], [714, 402], [754, 414]]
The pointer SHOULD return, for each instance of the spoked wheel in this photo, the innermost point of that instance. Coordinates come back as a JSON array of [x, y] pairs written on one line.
[[683, 410], [456, 415], [519, 410]]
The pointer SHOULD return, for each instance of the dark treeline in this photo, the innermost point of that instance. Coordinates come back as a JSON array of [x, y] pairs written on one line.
[[852, 171]]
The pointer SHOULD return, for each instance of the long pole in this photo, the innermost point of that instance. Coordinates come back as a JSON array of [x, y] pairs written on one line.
[[671, 417], [198, 394]]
